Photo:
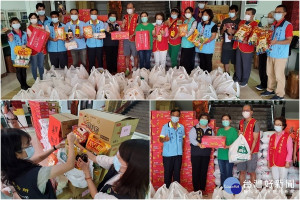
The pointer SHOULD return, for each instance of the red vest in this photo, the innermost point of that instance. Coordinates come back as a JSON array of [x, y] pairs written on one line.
[[163, 44], [173, 31], [246, 48], [248, 133], [297, 142], [278, 153], [44, 51], [131, 25]]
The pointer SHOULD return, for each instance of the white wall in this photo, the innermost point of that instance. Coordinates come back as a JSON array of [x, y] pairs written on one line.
[[11, 5]]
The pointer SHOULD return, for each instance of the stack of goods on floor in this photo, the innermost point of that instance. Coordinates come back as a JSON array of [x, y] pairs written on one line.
[[96, 138], [176, 83], [187, 119]]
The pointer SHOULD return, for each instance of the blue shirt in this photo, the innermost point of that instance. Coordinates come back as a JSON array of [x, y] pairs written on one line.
[[92, 42], [80, 42], [59, 45], [174, 146], [47, 21], [17, 42]]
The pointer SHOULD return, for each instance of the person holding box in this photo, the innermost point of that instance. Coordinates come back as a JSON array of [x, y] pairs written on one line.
[[199, 154], [172, 135], [231, 135]]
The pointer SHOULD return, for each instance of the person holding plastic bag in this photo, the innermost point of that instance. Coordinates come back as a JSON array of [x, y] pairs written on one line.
[[172, 135], [17, 37], [208, 29], [280, 151], [199, 154], [20, 167], [128, 172], [231, 135], [250, 129]]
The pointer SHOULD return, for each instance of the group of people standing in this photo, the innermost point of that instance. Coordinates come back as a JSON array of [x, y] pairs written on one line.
[[280, 157]]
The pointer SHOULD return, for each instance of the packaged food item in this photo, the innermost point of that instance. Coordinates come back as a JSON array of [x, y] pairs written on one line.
[[213, 141], [197, 39], [264, 41], [142, 40], [81, 134], [254, 35], [120, 35], [60, 33], [243, 33], [22, 56], [88, 32], [71, 45], [99, 35], [38, 39], [95, 145], [183, 30]]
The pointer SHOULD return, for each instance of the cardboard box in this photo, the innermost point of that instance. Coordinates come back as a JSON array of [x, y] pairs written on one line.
[[59, 126], [113, 128], [214, 141], [218, 9]]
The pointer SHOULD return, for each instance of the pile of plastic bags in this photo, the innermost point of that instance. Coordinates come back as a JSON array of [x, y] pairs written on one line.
[[175, 191], [157, 84]]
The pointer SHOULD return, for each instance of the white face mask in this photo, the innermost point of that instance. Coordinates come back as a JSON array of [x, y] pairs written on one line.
[[130, 11], [247, 17], [270, 20], [158, 21], [188, 15], [33, 21], [246, 114], [201, 5], [278, 129]]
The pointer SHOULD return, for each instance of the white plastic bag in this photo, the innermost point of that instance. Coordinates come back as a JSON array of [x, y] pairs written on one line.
[[184, 93], [134, 93], [82, 73], [161, 193], [24, 95], [176, 191], [193, 195], [218, 193], [239, 150]]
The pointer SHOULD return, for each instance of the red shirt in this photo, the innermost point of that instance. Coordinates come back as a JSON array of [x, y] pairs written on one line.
[[288, 30], [173, 31], [246, 48], [163, 44], [29, 31]]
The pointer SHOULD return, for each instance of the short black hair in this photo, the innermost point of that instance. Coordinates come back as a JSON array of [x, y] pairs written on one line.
[[210, 13], [190, 9], [93, 9], [14, 19], [74, 9], [144, 12], [54, 13], [205, 114], [226, 115], [175, 110], [130, 2], [32, 14], [40, 5], [251, 107], [253, 10], [282, 6], [234, 7], [283, 120], [176, 10], [161, 14], [112, 13]]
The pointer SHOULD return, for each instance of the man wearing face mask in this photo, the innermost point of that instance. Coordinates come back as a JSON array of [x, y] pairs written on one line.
[[201, 7], [263, 59], [76, 25], [250, 129], [277, 57], [244, 52], [172, 135], [199, 154], [228, 29], [130, 22], [44, 21], [95, 46]]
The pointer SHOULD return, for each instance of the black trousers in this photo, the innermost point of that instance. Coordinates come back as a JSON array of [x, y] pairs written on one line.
[[172, 167], [205, 61], [263, 70], [199, 171], [111, 58], [94, 53], [187, 59], [59, 59], [22, 76]]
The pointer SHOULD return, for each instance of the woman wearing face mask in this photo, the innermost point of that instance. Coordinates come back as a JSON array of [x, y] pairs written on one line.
[[111, 46], [37, 58], [280, 150], [199, 154], [231, 135], [18, 37], [160, 42], [208, 29], [187, 58], [145, 55], [174, 38], [20, 167], [198, 11], [128, 172]]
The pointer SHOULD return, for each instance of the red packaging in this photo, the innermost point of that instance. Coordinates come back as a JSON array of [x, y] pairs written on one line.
[[213, 141], [38, 39], [81, 134], [84, 15], [120, 35], [142, 40]]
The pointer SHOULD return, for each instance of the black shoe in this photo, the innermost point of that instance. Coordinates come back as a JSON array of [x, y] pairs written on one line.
[[277, 98], [24, 87], [267, 93], [260, 88]]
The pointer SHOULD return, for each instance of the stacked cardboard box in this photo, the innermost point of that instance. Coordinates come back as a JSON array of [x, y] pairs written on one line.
[[53, 107], [216, 59]]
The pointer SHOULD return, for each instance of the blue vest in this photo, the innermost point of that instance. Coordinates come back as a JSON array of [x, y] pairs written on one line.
[[17, 42], [47, 21], [279, 50], [208, 48], [92, 42], [59, 45], [184, 42]]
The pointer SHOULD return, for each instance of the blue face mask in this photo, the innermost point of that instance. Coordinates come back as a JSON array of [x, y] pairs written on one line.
[[16, 26], [144, 19], [203, 122], [41, 12], [74, 17], [174, 119], [231, 15], [54, 20], [29, 151], [205, 18], [117, 164], [112, 19], [278, 16], [93, 17], [225, 123], [174, 16]]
